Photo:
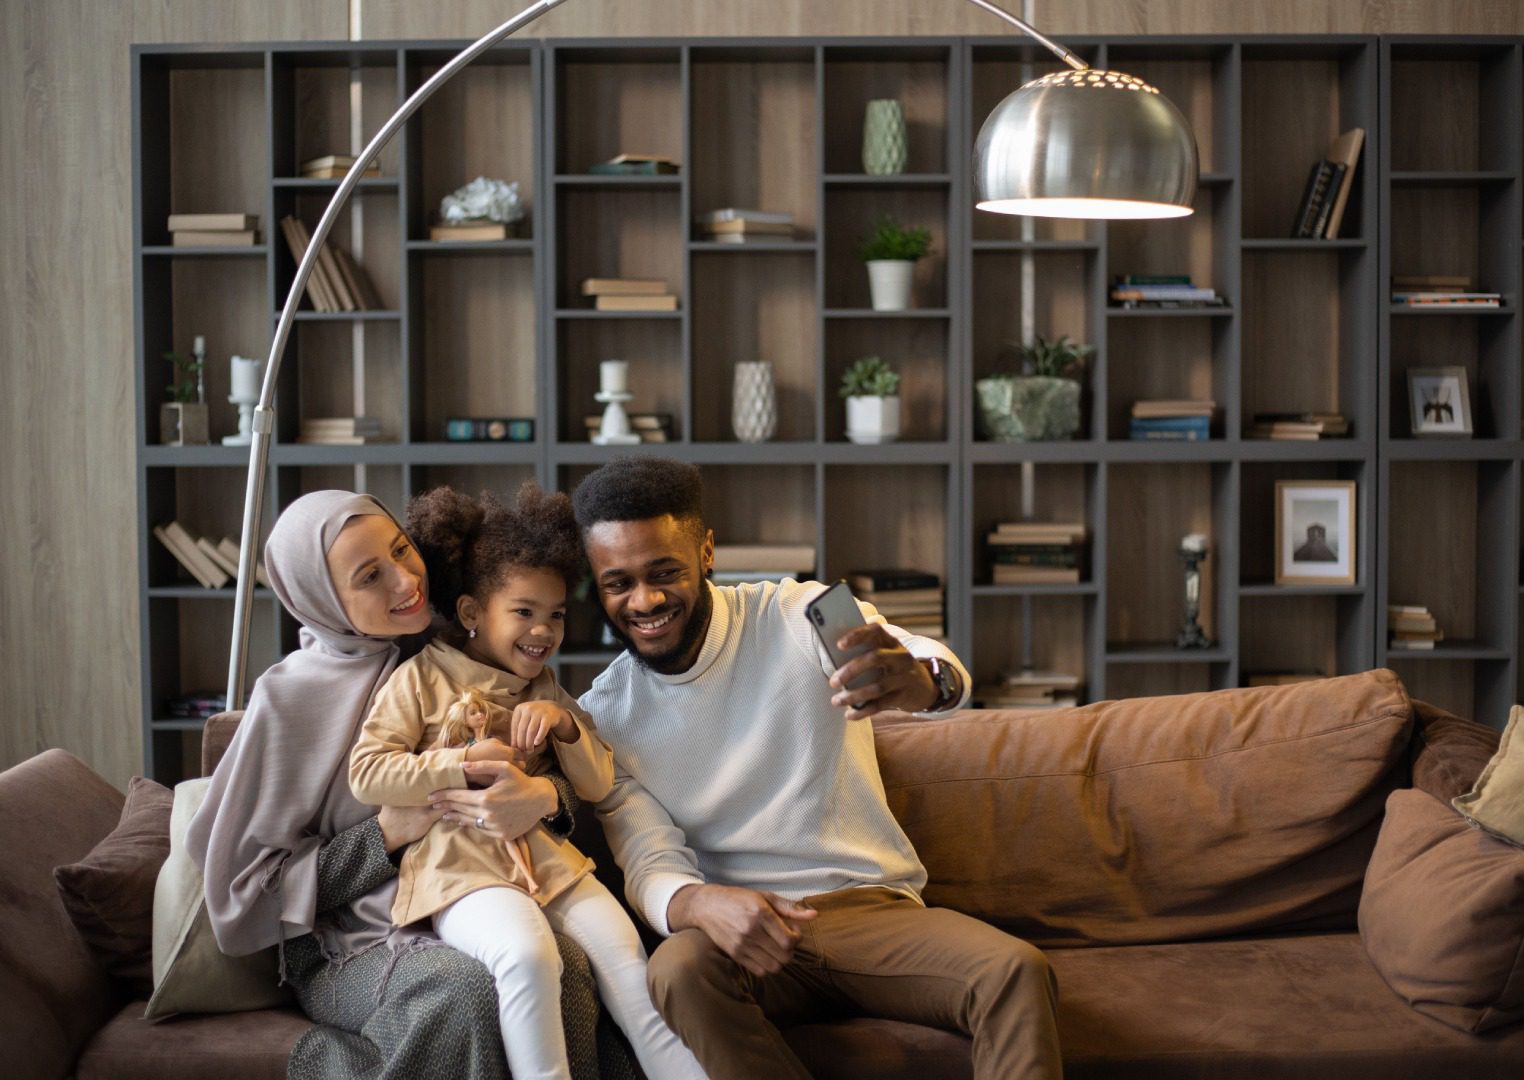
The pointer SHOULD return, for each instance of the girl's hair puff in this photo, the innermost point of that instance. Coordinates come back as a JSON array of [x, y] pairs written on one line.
[[472, 546]]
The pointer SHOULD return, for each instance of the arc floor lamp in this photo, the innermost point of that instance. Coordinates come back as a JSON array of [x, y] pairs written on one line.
[[1075, 143]]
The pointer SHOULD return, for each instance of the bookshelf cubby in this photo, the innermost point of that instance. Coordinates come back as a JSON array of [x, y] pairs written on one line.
[[500, 328]]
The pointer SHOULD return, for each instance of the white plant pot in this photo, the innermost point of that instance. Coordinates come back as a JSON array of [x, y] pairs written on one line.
[[889, 283], [872, 420]]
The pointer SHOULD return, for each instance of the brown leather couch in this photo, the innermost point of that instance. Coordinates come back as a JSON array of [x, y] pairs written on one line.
[[1191, 865]]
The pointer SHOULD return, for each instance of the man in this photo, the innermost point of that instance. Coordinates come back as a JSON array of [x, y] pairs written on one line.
[[749, 815]]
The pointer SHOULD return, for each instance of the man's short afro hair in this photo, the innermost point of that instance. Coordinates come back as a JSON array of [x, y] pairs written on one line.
[[638, 489]]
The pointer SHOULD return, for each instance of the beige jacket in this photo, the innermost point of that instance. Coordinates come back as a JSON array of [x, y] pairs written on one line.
[[390, 766]]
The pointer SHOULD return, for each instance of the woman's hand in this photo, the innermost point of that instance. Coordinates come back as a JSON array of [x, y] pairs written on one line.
[[533, 720], [401, 825], [512, 805]]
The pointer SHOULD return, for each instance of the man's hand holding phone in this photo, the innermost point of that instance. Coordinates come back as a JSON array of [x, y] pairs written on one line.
[[897, 680]]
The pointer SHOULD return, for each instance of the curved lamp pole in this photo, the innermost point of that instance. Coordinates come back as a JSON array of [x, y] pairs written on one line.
[[1078, 143]]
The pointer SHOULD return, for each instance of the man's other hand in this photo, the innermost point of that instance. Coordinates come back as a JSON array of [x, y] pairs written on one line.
[[755, 929]]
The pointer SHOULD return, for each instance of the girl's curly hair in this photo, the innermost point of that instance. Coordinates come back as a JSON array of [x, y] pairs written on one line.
[[471, 546]]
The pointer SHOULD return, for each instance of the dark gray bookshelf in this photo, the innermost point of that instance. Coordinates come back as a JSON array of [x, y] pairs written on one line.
[[499, 328]]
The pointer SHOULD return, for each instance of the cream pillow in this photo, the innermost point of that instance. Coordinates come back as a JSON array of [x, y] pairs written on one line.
[[190, 974], [1496, 803]]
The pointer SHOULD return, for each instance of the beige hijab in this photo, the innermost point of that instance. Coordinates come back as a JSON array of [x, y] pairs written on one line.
[[282, 788]]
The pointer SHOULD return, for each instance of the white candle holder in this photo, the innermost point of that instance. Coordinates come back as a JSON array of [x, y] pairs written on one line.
[[614, 430], [245, 395]]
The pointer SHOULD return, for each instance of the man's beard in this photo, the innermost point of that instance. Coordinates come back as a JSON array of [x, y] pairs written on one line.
[[670, 662]]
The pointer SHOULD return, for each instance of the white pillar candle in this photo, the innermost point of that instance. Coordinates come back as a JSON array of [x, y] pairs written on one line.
[[613, 376], [245, 379]]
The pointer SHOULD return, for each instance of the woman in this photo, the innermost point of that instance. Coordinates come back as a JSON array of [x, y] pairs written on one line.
[[291, 859]]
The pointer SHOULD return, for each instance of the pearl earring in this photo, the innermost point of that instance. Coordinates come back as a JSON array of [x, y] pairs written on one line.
[[471, 632]]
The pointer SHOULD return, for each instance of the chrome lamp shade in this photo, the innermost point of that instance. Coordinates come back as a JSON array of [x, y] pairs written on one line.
[[1086, 144]]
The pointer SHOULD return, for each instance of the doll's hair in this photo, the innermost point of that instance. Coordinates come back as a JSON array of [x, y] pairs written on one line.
[[472, 546], [456, 729]]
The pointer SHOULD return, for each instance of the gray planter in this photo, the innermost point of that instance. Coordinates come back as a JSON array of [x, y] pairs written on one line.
[[1028, 408]]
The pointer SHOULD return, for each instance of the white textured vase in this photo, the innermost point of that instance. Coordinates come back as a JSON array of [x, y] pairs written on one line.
[[885, 144], [873, 420], [754, 402], [889, 283]]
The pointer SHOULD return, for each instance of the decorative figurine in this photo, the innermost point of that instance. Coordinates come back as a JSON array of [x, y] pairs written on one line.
[[246, 375], [1193, 552], [613, 393]]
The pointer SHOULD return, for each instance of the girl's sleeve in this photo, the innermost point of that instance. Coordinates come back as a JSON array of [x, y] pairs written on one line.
[[386, 768], [588, 763]]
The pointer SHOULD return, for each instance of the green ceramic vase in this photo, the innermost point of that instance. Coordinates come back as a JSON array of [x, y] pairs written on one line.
[[884, 140]]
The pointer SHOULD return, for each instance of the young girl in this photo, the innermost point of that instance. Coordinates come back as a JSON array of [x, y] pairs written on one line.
[[500, 574]]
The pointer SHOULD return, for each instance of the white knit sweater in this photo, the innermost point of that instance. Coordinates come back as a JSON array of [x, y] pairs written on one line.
[[740, 771]]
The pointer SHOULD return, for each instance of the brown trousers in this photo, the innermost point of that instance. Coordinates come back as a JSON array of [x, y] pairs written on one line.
[[870, 952]]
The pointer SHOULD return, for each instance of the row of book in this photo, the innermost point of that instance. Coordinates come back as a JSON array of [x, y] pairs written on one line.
[[911, 599], [732, 225], [1036, 553], [340, 430], [629, 294], [213, 230], [338, 282], [1412, 626], [213, 565], [1163, 291], [1326, 193], [1441, 290], [1171, 420]]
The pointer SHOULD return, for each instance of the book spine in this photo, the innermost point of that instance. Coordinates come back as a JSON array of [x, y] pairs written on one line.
[[1317, 184], [1330, 193]]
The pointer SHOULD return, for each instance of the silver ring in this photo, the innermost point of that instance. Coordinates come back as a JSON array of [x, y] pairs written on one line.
[[481, 823]]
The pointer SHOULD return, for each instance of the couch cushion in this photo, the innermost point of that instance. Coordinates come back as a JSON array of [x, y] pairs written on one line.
[[1448, 753], [216, 733], [1154, 819], [1442, 915], [237, 1046], [54, 994], [1292, 1008], [109, 893], [1496, 803]]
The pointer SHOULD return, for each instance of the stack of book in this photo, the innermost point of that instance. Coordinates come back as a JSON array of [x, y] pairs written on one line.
[[635, 165], [734, 226], [334, 167], [1174, 421], [1030, 690], [1440, 290], [1036, 553], [338, 283], [910, 599], [1412, 626], [1326, 193], [1298, 426], [340, 430], [1163, 291], [470, 231], [740, 564], [201, 705], [629, 294], [213, 565], [213, 230], [651, 427]]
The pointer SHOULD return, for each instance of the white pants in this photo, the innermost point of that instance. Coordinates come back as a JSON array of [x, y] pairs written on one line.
[[504, 929]]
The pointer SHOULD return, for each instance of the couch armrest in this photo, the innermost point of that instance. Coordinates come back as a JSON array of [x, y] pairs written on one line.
[[215, 738]]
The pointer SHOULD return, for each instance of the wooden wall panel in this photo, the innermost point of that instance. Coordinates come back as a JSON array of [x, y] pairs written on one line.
[[68, 647]]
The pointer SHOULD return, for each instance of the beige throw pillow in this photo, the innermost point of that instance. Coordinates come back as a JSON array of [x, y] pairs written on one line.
[[190, 973], [1496, 803]]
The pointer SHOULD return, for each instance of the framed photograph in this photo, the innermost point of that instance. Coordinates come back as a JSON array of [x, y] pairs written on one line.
[[1439, 400], [1315, 532]]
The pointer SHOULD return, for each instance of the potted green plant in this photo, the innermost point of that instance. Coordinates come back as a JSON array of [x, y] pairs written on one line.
[[182, 419], [891, 250], [1041, 401], [871, 388]]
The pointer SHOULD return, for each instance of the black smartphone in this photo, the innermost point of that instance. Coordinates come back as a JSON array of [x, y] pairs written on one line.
[[832, 614]]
